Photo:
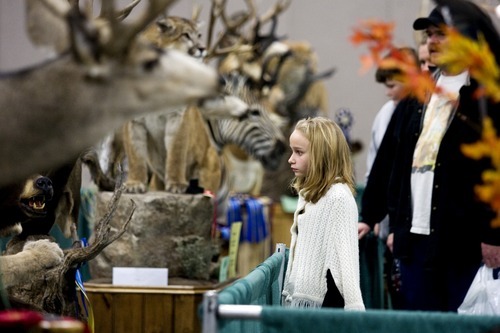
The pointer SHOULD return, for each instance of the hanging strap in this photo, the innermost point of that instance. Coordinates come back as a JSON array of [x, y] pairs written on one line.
[[84, 301]]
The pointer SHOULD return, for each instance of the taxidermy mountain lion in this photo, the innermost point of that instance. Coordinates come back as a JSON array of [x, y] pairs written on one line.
[[147, 139]]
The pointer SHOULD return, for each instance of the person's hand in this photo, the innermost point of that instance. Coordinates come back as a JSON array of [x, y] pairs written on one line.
[[363, 229], [390, 241], [376, 229], [491, 255]]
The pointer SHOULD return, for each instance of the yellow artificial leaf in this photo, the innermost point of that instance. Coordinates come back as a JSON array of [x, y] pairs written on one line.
[[495, 223], [461, 53]]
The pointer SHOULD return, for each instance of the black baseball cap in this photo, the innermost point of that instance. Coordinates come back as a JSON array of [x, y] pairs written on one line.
[[435, 18]]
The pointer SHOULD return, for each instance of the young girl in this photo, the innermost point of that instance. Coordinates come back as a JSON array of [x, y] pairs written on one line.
[[323, 266]]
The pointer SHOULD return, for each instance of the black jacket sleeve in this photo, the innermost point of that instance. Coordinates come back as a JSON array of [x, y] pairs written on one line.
[[374, 200]]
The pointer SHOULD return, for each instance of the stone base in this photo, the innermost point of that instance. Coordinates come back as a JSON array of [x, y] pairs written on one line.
[[166, 231]]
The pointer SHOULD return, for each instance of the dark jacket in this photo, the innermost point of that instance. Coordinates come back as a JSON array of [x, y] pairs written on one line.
[[459, 221]]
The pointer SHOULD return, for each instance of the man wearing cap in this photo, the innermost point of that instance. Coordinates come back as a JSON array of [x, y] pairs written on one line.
[[439, 231]]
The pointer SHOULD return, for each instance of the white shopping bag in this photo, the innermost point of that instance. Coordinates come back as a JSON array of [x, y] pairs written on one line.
[[483, 297]]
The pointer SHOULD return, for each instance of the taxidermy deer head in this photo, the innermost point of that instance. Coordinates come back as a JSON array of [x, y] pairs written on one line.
[[103, 75]]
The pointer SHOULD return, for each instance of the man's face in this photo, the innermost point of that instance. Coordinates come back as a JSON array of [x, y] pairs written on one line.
[[435, 40]]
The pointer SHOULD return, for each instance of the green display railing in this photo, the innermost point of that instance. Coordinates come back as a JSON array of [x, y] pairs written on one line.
[[252, 304]]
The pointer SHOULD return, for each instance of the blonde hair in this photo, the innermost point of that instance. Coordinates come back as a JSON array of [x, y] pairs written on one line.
[[329, 158]]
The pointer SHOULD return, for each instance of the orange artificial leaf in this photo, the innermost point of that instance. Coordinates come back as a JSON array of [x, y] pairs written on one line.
[[366, 63], [373, 32], [422, 86], [415, 82], [377, 36]]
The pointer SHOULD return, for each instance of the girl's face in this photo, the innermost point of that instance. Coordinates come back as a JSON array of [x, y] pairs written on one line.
[[394, 90], [299, 161]]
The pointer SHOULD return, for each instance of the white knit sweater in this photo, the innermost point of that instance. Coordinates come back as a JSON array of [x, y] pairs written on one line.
[[324, 236]]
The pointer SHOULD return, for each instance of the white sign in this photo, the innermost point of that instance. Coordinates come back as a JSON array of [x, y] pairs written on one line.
[[140, 276]]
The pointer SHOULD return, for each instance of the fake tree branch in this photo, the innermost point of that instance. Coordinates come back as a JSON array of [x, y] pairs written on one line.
[[102, 236]]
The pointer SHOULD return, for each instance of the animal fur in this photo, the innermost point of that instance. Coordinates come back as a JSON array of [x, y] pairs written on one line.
[[33, 207], [194, 152], [22, 202], [146, 139], [288, 83], [295, 93], [51, 284], [28, 202], [62, 210], [37, 273], [102, 82], [177, 33], [192, 156], [34, 259], [142, 144], [245, 174]]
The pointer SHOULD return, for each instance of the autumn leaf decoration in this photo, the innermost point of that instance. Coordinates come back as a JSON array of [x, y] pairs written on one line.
[[459, 53], [462, 53], [488, 147], [377, 35]]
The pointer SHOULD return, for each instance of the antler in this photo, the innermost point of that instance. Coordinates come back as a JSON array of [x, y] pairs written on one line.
[[46, 23], [123, 13], [232, 40], [277, 9], [123, 33], [195, 14], [58, 8], [51, 15], [231, 26], [263, 41]]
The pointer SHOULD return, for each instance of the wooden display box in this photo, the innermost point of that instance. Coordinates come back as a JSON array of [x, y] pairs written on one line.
[[281, 224], [172, 309]]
